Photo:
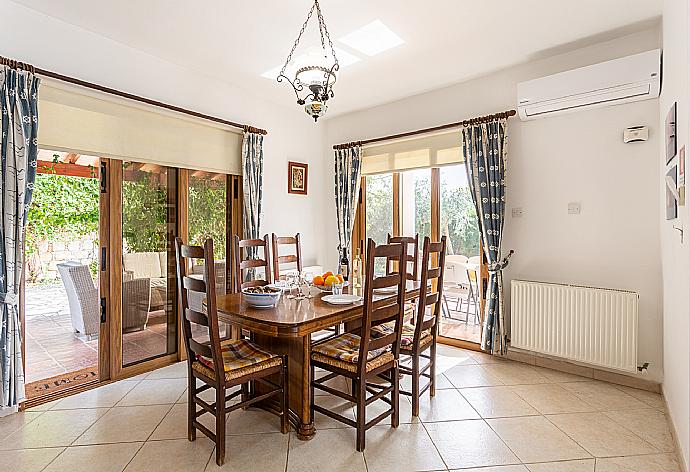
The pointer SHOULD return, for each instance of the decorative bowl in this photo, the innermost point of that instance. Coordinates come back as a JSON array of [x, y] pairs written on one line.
[[261, 297]]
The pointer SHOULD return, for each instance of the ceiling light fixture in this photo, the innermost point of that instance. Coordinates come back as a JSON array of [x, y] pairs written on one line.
[[315, 71]]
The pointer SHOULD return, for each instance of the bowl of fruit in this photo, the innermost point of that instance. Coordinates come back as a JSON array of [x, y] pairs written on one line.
[[325, 282]]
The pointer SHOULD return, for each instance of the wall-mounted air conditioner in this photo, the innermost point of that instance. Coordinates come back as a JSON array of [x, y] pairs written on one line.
[[628, 79]]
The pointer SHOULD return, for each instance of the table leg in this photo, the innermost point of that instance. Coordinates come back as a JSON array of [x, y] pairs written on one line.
[[298, 350]]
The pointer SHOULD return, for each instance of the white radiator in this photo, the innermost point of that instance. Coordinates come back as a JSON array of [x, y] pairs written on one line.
[[595, 326]]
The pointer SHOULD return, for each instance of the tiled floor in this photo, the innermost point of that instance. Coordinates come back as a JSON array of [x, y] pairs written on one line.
[[53, 348], [488, 415]]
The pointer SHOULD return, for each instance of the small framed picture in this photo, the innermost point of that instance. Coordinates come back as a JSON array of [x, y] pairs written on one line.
[[297, 178], [672, 193]]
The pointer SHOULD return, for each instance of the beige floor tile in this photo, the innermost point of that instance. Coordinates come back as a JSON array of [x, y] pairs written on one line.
[[333, 449], [603, 396], [252, 421], [472, 376], [254, 452], [124, 424], [651, 463], [405, 448], [101, 397], [535, 439], [515, 373], [500, 468], [174, 371], [177, 455], [337, 405], [585, 465], [44, 406], [484, 358], [378, 407], [652, 399], [446, 359], [650, 424], [497, 402], [470, 443], [11, 423], [447, 405], [53, 428], [449, 351], [96, 458], [600, 435], [28, 460], [154, 392], [442, 382], [174, 425], [561, 377], [552, 399]]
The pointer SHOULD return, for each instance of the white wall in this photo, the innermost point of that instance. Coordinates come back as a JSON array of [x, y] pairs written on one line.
[[571, 158], [57, 46], [676, 255]]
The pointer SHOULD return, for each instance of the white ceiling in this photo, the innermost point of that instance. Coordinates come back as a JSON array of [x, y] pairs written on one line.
[[446, 41]]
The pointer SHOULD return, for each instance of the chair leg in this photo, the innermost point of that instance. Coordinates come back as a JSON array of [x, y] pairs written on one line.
[[312, 379], [415, 384], [285, 415], [220, 425], [395, 377], [245, 393], [191, 407], [432, 368], [361, 395]]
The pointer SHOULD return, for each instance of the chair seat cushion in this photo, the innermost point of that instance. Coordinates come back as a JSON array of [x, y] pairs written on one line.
[[407, 337], [343, 351], [240, 354]]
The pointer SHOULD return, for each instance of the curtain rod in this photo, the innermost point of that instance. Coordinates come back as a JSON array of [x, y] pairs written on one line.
[[64, 78], [471, 121]]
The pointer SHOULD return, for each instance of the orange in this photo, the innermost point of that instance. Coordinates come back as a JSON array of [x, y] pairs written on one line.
[[340, 278], [318, 280], [327, 274]]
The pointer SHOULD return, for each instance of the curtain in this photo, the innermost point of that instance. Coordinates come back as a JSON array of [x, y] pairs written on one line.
[[18, 152], [348, 170], [252, 183], [484, 149]]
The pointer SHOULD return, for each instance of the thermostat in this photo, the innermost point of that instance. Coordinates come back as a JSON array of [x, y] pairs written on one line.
[[636, 134]]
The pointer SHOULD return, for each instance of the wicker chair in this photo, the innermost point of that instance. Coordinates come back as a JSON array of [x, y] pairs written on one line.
[[136, 300], [82, 296]]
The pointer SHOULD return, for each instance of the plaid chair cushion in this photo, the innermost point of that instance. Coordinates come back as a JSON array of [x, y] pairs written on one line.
[[407, 337], [237, 354], [346, 348]]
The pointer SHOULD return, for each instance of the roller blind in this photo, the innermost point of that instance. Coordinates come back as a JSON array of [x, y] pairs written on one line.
[[80, 120], [413, 153]]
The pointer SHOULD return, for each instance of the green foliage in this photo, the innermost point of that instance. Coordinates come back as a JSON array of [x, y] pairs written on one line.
[[62, 208], [144, 213], [207, 213], [459, 221]]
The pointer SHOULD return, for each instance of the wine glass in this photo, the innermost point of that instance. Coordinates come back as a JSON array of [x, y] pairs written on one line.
[[309, 282]]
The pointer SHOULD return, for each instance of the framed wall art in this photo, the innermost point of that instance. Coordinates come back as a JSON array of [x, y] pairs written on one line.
[[670, 133], [298, 176]]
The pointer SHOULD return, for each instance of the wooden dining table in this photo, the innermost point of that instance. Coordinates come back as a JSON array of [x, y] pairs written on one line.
[[287, 329]]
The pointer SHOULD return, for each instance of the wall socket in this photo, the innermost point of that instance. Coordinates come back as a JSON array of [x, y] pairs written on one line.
[[517, 212], [574, 208]]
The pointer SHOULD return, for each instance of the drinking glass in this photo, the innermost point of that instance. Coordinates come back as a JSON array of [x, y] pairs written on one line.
[[337, 289]]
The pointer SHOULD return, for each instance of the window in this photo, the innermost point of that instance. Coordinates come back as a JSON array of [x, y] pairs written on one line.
[[379, 204]]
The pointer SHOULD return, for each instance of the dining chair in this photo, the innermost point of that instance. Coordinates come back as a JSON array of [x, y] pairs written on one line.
[[411, 256], [220, 365], [246, 255], [359, 357], [419, 338], [294, 257]]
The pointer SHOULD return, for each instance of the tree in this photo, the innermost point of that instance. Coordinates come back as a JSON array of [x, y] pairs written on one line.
[[207, 213]]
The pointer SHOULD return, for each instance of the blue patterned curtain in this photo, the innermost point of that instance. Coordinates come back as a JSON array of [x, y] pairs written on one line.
[[18, 152], [484, 148], [252, 183], [348, 170]]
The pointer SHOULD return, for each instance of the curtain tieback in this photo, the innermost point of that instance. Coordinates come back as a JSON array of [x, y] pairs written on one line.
[[495, 267], [9, 298]]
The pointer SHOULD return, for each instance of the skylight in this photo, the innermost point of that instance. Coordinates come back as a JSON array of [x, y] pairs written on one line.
[[371, 39], [344, 58]]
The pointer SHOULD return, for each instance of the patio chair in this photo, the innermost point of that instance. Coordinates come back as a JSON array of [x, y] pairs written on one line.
[[136, 301], [82, 296]]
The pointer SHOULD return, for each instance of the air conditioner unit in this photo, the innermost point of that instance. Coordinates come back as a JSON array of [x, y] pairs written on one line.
[[627, 79]]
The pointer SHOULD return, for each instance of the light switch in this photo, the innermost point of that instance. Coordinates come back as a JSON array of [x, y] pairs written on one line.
[[517, 212], [574, 208]]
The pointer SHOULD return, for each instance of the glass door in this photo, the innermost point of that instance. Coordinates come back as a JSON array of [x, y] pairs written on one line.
[[148, 311], [458, 221]]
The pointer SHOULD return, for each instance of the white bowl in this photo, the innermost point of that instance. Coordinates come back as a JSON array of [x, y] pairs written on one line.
[[261, 300]]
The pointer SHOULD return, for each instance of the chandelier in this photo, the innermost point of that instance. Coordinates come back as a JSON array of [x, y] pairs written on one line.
[[314, 74]]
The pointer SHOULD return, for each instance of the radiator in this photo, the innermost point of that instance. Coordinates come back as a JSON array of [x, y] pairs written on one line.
[[596, 326]]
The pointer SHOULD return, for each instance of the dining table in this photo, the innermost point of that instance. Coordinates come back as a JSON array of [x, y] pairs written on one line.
[[287, 328]]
